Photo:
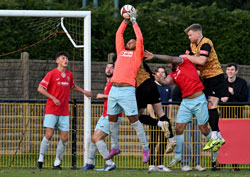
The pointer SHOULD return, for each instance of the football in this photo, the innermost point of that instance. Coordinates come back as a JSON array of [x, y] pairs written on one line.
[[126, 10]]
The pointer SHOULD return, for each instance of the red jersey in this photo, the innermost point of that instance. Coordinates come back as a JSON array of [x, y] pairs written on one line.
[[106, 92], [58, 84], [128, 61], [187, 78]]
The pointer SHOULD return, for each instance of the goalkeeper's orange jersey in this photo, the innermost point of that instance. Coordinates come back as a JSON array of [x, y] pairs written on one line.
[[128, 61]]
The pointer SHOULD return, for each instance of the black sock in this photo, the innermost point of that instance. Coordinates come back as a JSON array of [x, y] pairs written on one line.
[[214, 119], [145, 119]]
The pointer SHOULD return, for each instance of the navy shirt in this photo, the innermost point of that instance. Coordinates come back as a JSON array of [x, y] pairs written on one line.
[[165, 92]]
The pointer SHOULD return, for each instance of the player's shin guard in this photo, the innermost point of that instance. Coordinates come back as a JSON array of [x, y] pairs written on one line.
[[114, 129], [214, 119], [141, 134], [165, 118]]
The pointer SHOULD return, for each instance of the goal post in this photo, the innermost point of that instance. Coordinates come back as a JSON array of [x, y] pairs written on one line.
[[86, 15]]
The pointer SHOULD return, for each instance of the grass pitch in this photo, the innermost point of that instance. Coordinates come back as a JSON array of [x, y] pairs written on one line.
[[27, 172]]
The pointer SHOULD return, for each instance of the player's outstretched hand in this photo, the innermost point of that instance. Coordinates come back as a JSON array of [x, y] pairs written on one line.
[[100, 96], [148, 55], [87, 93]]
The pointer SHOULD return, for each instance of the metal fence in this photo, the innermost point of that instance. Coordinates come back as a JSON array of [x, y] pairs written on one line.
[[21, 132]]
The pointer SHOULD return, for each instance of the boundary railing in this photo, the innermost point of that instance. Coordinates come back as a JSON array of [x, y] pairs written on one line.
[[21, 132]]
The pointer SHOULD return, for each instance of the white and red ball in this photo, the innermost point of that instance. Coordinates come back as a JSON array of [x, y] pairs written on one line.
[[126, 10]]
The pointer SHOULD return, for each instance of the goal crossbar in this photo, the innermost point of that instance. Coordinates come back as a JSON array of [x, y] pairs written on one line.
[[86, 53], [44, 13]]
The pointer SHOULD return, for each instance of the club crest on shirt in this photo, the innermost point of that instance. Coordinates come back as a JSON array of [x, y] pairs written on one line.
[[68, 78], [126, 54], [63, 75]]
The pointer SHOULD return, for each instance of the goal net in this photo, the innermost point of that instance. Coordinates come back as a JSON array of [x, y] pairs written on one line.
[[44, 33]]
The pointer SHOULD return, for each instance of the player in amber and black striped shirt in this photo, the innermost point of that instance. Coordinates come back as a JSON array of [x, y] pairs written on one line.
[[201, 52]]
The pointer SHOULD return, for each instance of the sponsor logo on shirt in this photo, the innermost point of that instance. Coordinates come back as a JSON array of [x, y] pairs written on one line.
[[63, 83], [126, 54], [204, 52]]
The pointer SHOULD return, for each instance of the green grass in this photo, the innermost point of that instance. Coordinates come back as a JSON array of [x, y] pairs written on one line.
[[25, 172]]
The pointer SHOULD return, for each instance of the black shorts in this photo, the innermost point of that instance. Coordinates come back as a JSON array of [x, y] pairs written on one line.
[[215, 86], [147, 93]]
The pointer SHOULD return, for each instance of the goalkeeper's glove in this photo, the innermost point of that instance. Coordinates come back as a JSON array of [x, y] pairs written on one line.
[[133, 17]]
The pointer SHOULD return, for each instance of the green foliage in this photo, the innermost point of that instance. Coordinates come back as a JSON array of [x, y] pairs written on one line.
[[162, 24]]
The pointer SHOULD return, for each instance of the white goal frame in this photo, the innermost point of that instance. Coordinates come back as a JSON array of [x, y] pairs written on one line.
[[86, 53]]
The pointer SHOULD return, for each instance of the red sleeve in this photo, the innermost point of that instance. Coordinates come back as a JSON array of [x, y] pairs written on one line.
[[72, 82], [171, 75], [108, 88], [139, 42], [46, 80], [119, 40]]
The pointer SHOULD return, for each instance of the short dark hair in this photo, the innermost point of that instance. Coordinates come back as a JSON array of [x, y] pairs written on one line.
[[233, 64], [114, 57], [193, 27], [163, 67], [110, 63], [62, 53]]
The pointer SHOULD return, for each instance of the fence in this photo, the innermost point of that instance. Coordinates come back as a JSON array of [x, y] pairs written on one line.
[[21, 132]]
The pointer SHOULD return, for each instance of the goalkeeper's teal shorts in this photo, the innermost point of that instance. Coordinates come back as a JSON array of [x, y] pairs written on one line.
[[122, 99]]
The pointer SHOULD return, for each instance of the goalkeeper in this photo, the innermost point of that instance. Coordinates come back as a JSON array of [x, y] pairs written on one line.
[[122, 94]]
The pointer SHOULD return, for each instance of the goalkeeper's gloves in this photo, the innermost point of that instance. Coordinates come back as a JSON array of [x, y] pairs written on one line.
[[133, 17]]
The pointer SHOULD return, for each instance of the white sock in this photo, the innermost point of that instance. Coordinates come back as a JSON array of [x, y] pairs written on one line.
[[109, 162], [209, 135], [214, 135], [90, 161], [43, 149], [92, 151], [102, 148], [178, 148], [114, 130], [171, 139], [159, 124], [60, 150], [141, 134], [219, 135]]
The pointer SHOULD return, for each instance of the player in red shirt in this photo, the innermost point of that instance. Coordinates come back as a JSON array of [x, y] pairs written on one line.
[[102, 128], [122, 94], [194, 102], [56, 87]]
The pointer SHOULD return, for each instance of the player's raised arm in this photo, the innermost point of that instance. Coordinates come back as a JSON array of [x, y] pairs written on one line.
[[119, 40], [170, 59], [139, 38]]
